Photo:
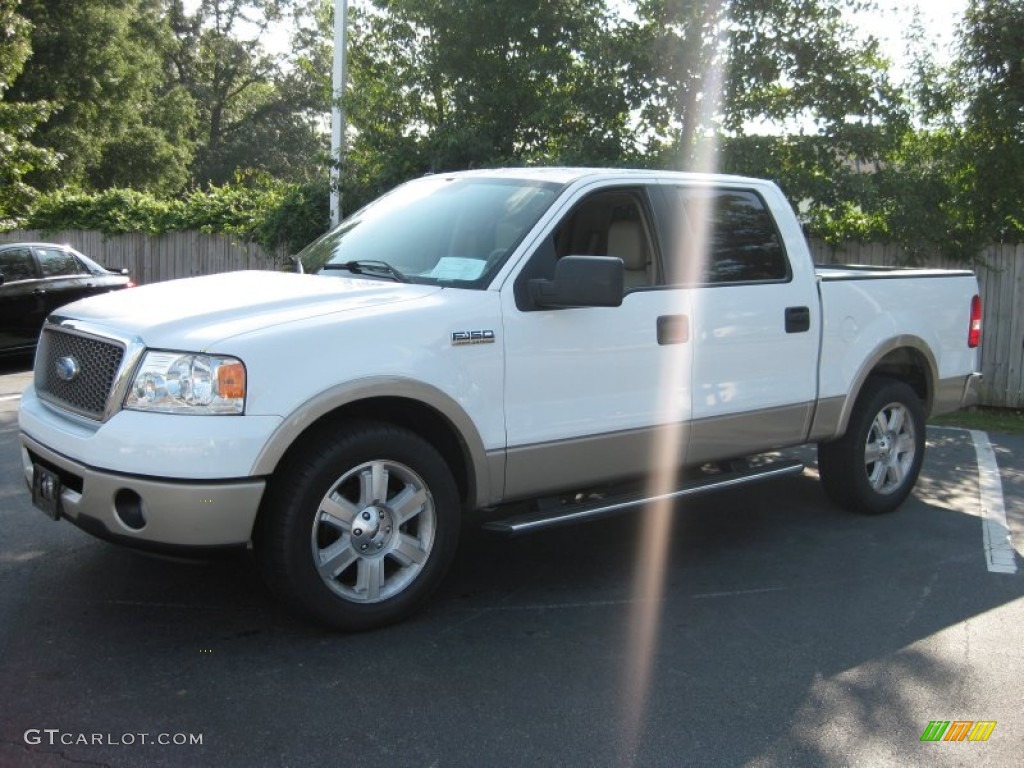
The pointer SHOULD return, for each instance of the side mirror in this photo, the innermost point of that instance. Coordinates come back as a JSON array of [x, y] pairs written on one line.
[[581, 281]]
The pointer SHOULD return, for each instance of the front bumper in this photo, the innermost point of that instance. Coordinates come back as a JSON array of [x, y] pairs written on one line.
[[148, 512]]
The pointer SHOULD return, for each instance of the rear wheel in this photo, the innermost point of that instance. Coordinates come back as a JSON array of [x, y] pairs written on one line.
[[874, 466], [359, 526]]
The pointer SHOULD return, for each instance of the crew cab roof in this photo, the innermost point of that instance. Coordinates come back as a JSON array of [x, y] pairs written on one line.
[[565, 175]]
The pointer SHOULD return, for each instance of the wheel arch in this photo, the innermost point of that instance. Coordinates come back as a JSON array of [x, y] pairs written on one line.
[[906, 358], [418, 407], [873, 467]]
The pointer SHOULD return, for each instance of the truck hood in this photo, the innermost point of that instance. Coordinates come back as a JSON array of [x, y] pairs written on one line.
[[203, 310]]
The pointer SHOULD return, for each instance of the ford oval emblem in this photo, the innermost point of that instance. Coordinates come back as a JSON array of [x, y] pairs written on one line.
[[68, 368]]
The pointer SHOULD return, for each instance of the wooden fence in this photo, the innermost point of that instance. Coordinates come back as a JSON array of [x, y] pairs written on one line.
[[185, 254], [152, 258]]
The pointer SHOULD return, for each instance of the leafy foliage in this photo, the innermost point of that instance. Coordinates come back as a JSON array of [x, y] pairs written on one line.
[[19, 156], [113, 212], [115, 121], [250, 112], [440, 86], [990, 74], [255, 207], [956, 183]]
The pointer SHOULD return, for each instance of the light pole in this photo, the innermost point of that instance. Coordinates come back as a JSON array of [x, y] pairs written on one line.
[[337, 110]]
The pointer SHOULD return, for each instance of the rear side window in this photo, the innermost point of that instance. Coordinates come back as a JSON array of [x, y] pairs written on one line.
[[84, 267], [725, 236], [55, 262], [16, 264]]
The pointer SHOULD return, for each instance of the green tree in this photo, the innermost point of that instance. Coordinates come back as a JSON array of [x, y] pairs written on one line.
[[708, 69], [955, 182], [249, 115], [437, 85], [781, 89], [115, 123], [989, 75], [19, 156]]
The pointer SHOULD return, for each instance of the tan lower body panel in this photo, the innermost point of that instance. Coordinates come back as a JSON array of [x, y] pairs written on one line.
[[583, 462]]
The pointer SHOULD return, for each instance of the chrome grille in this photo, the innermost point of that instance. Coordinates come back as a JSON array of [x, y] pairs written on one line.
[[77, 372]]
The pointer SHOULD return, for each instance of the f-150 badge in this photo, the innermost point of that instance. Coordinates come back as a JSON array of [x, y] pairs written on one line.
[[472, 337]]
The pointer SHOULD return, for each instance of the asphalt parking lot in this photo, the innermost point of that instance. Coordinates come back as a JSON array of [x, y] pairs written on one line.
[[780, 631]]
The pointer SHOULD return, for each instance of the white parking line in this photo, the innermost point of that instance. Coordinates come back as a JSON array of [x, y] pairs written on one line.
[[6, 398], [999, 552]]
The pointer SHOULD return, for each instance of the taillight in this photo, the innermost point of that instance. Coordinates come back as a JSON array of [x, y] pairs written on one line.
[[974, 331]]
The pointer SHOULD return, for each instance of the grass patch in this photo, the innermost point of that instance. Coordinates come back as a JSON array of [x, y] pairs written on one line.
[[1007, 420]]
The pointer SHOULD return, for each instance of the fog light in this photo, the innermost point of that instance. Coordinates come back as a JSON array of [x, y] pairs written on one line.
[[129, 510]]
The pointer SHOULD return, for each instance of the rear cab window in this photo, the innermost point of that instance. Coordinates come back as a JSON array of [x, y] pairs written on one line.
[[722, 236]]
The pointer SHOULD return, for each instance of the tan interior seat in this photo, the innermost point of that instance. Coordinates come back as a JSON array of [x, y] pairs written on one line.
[[626, 241]]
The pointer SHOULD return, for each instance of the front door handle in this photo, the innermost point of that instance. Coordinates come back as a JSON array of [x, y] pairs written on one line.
[[673, 329], [798, 319]]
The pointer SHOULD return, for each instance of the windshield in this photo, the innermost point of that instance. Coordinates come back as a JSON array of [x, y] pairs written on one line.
[[450, 230]]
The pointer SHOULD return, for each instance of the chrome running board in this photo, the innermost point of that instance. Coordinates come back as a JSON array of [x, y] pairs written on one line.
[[578, 512]]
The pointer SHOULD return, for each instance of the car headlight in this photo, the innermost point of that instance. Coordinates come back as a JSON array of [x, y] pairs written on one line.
[[183, 382]]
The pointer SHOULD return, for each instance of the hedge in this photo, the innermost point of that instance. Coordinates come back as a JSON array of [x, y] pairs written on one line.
[[255, 207]]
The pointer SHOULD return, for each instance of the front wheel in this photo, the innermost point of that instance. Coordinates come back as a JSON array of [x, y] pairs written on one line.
[[874, 466], [359, 526]]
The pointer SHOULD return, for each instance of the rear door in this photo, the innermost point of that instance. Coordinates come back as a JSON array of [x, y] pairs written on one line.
[[756, 323]]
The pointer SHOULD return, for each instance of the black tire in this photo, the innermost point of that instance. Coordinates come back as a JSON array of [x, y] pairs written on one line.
[[873, 467], [358, 526]]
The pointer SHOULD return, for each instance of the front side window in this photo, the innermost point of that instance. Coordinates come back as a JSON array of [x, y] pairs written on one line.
[[612, 222], [441, 230], [16, 264], [724, 236], [609, 222]]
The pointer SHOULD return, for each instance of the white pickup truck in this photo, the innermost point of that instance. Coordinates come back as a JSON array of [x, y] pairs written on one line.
[[578, 342]]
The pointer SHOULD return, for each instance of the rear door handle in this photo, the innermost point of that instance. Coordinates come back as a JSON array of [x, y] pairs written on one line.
[[673, 329], [798, 319]]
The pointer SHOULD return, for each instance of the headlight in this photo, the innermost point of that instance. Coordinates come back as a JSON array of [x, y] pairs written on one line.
[[182, 382]]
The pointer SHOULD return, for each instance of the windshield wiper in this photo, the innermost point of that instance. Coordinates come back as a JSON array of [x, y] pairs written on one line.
[[369, 266]]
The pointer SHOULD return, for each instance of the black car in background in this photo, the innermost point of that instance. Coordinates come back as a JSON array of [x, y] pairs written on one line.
[[35, 279]]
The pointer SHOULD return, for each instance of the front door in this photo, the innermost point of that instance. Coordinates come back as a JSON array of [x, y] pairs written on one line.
[[596, 394]]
